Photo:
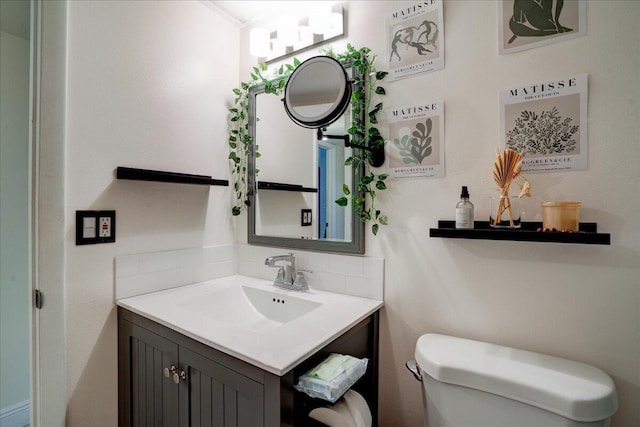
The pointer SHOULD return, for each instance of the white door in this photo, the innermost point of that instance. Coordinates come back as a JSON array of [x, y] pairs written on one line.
[[15, 277], [32, 79], [48, 89]]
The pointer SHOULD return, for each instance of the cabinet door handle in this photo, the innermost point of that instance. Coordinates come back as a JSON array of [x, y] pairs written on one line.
[[176, 377], [168, 371], [172, 373]]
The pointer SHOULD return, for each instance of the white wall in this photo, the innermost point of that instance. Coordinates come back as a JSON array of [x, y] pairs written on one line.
[[14, 225], [147, 88], [575, 301], [148, 85]]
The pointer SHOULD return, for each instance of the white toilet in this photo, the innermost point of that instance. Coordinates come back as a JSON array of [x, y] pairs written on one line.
[[475, 384]]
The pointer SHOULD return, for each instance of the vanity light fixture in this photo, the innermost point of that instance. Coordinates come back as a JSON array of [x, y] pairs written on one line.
[[322, 22]]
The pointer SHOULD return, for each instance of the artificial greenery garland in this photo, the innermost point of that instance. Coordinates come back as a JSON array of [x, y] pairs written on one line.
[[365, 134], [362, 133], [239, 138]]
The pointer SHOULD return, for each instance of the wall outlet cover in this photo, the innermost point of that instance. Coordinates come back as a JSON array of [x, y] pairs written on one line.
[[95, 227]]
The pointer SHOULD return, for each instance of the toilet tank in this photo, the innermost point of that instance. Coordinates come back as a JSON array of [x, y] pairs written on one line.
[[470, 383]]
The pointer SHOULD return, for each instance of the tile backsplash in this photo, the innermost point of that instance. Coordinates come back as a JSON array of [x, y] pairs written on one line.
[[352, 275], [154, 271], [148, 272]]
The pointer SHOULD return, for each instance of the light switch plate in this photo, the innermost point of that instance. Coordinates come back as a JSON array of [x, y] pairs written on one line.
[[95, 227], [306, 218], [88, 227]]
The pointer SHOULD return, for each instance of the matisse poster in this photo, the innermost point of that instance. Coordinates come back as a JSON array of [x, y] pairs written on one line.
[[416, 145], [415, 39], [547, 122], [527, 24]]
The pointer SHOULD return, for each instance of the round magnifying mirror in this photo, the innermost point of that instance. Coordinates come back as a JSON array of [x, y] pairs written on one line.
[[317, 92]]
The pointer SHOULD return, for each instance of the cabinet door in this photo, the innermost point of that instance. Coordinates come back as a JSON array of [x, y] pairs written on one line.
[[217, 396], [147, 398]]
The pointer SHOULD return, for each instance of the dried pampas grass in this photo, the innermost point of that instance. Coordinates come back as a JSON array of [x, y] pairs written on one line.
[[506, 170], [507, 167]]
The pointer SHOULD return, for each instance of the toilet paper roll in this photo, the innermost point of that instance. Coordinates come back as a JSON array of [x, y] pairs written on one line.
[[358, 408], [337, 416]]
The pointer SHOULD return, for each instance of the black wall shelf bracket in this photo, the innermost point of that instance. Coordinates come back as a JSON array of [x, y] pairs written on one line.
[[587, 234], [163, 176]]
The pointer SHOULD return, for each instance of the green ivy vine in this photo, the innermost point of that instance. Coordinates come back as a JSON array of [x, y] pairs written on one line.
[[239, 138], [362, 132]]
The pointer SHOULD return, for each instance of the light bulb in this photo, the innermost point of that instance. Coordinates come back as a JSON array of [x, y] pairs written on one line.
[[259, 44], [287, 30], [320, 20]]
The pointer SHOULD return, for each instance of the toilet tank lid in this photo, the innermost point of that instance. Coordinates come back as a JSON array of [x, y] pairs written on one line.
[[571, 389]]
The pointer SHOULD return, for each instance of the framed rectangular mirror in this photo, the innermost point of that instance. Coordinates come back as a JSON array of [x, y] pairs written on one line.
[[296, 179]]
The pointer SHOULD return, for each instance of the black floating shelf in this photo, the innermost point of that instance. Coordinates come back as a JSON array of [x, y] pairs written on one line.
[[163, 176], [266, 185], [528, 232]]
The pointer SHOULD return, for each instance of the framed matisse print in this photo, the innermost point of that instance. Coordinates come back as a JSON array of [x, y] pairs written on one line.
[[527, 24], [547, 123], [415, 39]]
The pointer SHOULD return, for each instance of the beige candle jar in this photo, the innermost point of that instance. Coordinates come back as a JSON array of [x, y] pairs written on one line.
[[561, 216]]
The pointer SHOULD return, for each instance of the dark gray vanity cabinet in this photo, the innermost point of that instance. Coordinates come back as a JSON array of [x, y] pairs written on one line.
[[218, 396], [168, 379], [151, 398]]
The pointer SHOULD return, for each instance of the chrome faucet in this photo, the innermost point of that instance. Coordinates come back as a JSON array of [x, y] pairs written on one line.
[[287, 277]]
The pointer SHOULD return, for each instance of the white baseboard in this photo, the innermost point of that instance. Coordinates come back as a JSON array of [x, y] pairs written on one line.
[[16, 415]]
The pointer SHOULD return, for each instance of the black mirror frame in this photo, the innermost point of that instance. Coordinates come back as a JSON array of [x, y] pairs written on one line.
[[339, 106], [355, 246]]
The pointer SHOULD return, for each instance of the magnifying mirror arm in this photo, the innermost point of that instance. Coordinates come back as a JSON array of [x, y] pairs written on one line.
[[323, 136], [377, 157]]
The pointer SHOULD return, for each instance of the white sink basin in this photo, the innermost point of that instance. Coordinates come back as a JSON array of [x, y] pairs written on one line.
[[248, 307], [272, 328]]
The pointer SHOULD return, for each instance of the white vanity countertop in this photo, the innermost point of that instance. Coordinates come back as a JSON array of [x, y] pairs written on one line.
[[270, 345]]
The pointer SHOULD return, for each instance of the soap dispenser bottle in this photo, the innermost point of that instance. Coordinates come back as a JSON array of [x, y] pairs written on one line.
[[464, 210]]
